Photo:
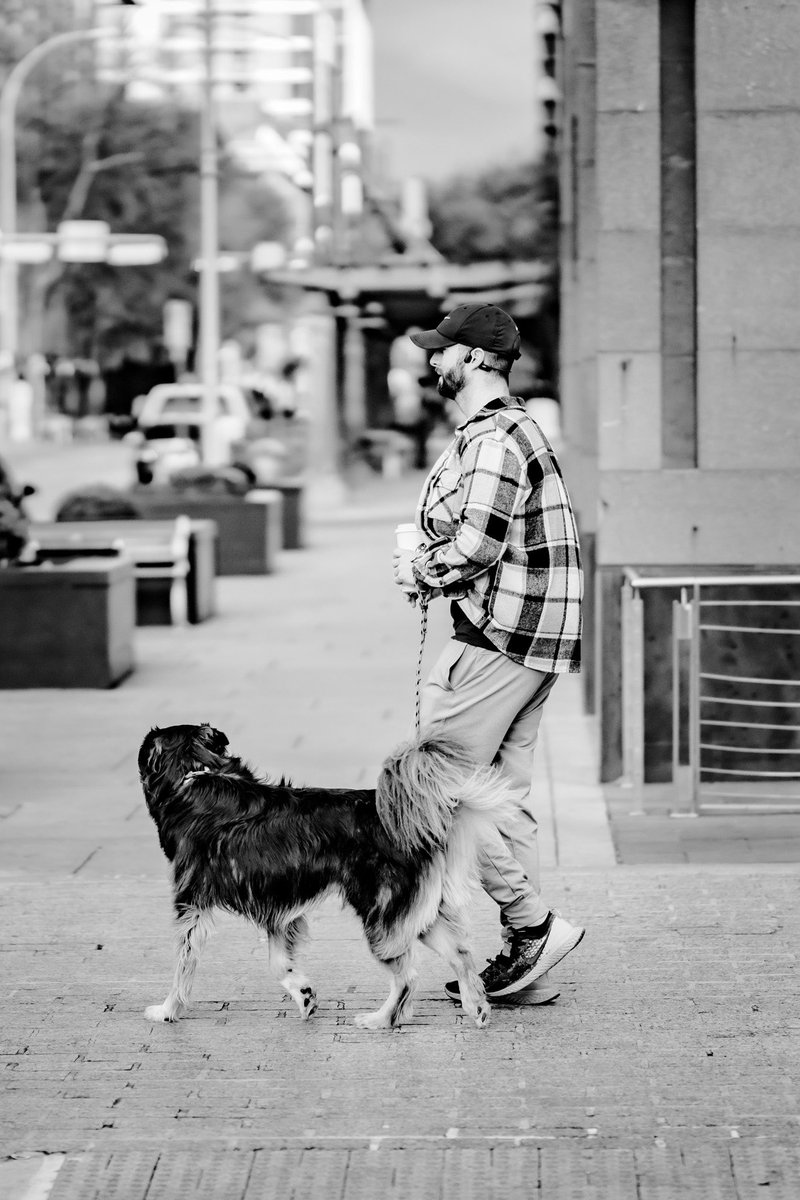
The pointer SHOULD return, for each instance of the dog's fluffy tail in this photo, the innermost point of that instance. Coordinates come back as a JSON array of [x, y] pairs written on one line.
[[426, 782]]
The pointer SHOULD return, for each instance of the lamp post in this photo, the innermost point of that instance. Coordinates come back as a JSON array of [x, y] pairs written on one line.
[[209, 237], [9, 317]]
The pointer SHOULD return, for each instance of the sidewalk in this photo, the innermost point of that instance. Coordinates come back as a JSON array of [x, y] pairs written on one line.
[[667, 1068]]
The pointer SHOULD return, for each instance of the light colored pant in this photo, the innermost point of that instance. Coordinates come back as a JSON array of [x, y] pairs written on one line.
[[494, 706]]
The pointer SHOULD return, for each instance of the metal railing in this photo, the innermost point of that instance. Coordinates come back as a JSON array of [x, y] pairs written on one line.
[[717, 700]]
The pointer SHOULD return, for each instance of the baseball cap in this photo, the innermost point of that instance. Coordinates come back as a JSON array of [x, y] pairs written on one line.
[[483, 325]]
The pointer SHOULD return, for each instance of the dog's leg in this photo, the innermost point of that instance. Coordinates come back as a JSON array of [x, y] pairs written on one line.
[[448, 938], [283, 944], [399, 1006], [194, 926]]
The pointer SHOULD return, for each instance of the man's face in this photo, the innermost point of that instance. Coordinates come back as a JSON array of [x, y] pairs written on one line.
[[449, 366]]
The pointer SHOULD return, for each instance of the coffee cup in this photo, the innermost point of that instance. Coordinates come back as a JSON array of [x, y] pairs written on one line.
[[408, 537]]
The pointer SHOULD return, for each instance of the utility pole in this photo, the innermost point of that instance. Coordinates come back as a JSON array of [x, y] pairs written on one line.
[[209, 240]]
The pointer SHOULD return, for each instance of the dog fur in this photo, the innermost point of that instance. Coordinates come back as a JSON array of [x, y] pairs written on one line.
[[403, 856]]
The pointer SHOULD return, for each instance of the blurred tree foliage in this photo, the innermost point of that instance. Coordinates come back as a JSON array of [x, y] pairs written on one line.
[[506, 213], [509, 214], [135, 166]]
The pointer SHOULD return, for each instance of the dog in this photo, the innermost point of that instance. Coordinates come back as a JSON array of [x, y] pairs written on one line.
[[403, 855]]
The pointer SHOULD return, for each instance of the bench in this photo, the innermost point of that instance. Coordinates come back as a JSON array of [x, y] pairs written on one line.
[[249, 528], [159, 551]]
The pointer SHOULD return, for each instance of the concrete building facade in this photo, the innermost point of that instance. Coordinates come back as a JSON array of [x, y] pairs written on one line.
[[678, 138]]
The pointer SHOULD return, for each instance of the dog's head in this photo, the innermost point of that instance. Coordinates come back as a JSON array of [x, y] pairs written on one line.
[[167, 756], [167, 759]]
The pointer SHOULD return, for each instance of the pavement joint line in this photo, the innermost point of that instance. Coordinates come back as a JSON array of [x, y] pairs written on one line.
[[668, 1137], [88, 859]]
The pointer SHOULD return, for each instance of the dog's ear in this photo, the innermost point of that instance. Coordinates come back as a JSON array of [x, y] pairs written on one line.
[[209, 745], [151, 745], [215, 739]]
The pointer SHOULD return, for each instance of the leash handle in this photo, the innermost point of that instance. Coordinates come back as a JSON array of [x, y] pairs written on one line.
[[423, 629]]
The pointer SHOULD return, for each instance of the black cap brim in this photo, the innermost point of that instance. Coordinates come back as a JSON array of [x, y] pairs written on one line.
[[430, 339]]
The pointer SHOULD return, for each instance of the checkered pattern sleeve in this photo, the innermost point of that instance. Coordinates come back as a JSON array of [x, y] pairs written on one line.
[[492, 478], [503, 538]]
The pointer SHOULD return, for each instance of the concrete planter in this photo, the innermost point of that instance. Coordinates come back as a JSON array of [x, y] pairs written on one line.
[[67, 625], [66, 541]]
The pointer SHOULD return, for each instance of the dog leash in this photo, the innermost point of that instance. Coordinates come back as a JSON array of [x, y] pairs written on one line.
[[423, 629]]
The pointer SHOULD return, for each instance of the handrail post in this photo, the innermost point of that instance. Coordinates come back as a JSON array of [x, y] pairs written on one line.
[[677, 637], [633, 693], [682, 632], [694, 698]]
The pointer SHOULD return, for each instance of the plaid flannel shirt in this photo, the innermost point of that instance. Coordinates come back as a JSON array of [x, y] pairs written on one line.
[[503, 539]]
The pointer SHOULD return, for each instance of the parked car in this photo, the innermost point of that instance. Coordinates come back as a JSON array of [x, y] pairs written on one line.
[[174, 431]]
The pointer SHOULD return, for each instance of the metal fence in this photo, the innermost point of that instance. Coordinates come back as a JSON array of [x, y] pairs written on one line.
[[720, 717]]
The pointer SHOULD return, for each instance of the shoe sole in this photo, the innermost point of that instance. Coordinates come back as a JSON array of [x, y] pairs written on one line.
[[544, 963], [528, 996]]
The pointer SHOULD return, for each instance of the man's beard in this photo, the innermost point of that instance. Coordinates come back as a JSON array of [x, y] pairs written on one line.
[[451, 382]]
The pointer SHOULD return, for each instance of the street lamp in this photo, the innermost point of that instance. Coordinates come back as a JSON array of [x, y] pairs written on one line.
[[9, 318], [135, 250], [83, 242]]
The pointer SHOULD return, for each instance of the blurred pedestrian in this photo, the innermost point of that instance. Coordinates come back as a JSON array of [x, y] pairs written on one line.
[[65, 386], [15, 545], [501, 544], [20, 407]]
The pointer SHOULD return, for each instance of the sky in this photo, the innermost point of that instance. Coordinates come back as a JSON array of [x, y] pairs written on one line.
[[454, 84]]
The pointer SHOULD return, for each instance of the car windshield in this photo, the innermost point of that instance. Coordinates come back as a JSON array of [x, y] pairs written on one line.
[[193, 403], [182, 429], [181, 404]]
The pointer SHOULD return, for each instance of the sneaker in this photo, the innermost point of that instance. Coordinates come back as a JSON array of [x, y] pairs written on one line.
[[530, 957], [541, 991]]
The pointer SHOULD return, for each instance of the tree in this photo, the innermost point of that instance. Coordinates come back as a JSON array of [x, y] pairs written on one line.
[[136, 167], [506, 213]]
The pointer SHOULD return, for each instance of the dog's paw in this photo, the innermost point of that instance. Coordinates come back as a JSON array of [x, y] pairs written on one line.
[[483, 1014], [308, 1002], [159, 1012], [371, 1020]]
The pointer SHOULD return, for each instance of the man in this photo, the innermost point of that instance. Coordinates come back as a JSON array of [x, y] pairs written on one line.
[[502, 546]]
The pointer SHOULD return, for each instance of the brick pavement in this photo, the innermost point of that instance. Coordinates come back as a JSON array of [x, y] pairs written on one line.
[[667, 1068], [672, 1051]]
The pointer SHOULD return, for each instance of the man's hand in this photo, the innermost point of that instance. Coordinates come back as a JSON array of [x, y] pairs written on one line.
[[403, 572]]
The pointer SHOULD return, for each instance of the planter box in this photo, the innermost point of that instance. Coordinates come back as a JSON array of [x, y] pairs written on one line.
[[249, 532], [67, 624], [143, 542]]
